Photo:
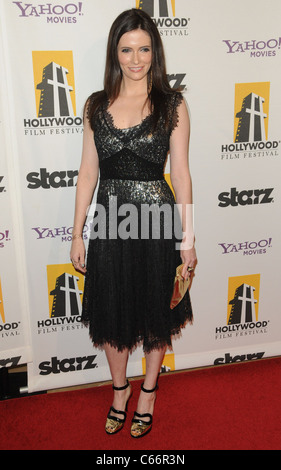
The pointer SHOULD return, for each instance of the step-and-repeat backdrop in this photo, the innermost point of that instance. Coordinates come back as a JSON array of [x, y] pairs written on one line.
[[226, 58]]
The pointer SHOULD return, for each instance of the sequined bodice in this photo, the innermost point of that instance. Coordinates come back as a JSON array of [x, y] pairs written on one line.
[[134, 153]]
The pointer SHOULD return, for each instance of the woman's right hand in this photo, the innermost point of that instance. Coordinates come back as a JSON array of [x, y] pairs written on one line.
[[77, 255]]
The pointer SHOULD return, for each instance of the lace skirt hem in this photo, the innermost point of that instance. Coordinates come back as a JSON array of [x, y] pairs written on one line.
[[148, 345]]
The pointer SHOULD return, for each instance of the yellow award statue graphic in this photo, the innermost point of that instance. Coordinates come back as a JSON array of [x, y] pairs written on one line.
[[54, 84], [243, 299], [157, 7], [65, 288], [252, 129], [251, 112], [166, 16], [167, 365]]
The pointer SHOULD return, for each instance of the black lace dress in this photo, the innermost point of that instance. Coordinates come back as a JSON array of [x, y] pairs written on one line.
[[132, 255]]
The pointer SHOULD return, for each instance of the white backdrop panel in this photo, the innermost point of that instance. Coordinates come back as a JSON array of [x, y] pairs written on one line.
[[220, 53]]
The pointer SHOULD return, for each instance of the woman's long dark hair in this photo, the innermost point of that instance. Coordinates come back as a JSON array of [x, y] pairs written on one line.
[[131, 20]]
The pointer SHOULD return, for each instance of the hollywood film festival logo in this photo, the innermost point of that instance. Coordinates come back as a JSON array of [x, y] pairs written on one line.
[[251, 124], [243, 309], [65, 291], [55, 97], [165, 15], [8, 329]]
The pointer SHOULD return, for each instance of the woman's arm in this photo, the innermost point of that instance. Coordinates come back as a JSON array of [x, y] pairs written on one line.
[[182, 185], [86, 183]]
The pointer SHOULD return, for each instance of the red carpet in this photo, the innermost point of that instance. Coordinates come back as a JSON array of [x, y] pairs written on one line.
[[234, 407]]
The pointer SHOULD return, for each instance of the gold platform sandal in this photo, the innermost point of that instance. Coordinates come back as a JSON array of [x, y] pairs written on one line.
[[140, 427], [113, 423]]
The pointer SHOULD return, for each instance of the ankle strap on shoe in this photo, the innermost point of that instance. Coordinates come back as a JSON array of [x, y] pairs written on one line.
[[149, 391], [121, 388]]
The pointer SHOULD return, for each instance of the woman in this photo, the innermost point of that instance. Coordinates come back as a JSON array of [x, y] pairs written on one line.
[[129, 280]]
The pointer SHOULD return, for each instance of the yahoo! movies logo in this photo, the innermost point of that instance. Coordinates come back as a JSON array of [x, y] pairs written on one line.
[[55, 97], [52, 233], [251, 124], [165, 15], [4, 238], [254, 48], [53, 13], [65, 290], [243, 309], [247, 248]]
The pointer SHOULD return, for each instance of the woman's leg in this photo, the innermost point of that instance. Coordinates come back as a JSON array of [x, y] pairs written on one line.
[[154, 360], [118, 367]]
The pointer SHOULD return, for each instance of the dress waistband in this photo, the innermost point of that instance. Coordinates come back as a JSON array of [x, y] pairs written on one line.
[[131, 178], [128, 166]]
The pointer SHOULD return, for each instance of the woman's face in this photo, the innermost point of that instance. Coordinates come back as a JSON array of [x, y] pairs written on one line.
[[135, 54]]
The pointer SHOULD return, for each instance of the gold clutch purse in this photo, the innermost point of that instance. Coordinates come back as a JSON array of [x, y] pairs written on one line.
[[180, 287]]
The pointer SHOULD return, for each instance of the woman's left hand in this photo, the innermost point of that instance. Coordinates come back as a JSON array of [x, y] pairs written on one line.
[[189, 260]]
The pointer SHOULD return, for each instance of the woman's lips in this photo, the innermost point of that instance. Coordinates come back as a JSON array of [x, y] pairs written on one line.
[[135, 69]]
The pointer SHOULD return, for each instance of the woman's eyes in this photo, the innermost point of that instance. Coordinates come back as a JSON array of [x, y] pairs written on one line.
[[143, 49]]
